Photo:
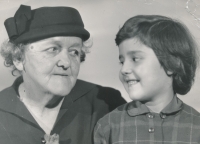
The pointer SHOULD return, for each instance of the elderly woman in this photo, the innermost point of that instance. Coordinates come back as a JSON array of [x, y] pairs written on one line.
[[46, 47]]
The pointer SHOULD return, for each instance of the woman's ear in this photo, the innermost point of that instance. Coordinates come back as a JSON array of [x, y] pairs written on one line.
[[19, 65]]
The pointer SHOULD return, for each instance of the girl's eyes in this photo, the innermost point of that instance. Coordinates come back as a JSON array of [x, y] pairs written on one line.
[[136, 59], [121, 63], [133, 59]]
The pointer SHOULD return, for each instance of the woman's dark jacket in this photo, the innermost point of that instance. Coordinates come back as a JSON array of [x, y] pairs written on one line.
[[78, 115]]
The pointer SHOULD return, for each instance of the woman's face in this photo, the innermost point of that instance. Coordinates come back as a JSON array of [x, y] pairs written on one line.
[[52, 65]]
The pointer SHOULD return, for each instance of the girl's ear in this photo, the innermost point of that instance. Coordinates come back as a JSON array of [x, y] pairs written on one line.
[[19, 65]]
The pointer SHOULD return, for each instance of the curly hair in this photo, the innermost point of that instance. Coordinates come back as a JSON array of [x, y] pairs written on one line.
[[11, 52], [172, 43]]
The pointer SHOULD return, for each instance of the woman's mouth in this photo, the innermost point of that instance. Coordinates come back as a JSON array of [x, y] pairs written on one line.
[[64, 75]]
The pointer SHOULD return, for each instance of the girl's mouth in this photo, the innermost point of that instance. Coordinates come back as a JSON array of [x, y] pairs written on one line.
[[132, 82]]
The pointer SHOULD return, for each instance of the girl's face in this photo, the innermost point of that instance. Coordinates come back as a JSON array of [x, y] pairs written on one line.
[[141, 73], [52, 65]]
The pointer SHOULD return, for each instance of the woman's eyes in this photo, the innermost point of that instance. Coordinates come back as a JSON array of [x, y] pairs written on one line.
[[74, 52], [52, 49]]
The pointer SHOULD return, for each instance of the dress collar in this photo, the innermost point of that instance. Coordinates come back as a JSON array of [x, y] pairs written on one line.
[[137, 108], [174, 106]]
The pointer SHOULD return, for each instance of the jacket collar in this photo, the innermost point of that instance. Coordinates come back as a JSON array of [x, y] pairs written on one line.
[[79, 90], [137, 108], [10, 102]]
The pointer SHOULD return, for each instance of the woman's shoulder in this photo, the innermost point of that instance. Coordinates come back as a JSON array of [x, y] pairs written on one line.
[[7, 96], [11, 90], [6, 93]]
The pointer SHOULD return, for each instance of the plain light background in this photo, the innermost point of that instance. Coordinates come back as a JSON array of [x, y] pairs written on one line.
[[103, 18]]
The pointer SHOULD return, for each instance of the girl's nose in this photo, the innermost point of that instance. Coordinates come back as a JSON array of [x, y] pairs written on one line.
[[126, 68]]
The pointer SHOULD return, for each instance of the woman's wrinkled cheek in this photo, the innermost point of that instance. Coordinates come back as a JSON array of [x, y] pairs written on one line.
[[75, 68]]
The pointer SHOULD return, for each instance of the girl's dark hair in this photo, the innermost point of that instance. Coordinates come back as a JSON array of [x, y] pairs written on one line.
[[172, 43]]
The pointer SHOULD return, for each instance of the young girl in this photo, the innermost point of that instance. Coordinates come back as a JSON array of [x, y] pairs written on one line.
[[159, 59]]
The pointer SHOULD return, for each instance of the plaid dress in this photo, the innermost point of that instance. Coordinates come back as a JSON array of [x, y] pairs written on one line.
[[133, 123]]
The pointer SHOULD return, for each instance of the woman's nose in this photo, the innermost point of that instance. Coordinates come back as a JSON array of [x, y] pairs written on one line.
[[64, 61]]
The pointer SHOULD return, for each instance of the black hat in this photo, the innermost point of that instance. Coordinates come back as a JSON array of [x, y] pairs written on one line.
[[31, 25]]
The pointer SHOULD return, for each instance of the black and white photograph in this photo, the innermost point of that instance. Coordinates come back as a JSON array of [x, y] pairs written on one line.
[[99, 72]]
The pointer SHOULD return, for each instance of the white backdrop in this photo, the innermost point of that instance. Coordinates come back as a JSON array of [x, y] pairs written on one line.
[[102, 18]]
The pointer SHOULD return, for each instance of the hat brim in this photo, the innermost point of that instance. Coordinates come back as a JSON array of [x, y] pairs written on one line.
[[52, 31]]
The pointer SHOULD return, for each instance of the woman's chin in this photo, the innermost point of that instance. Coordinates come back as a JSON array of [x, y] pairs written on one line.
[[61, 88], [61, 93]]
